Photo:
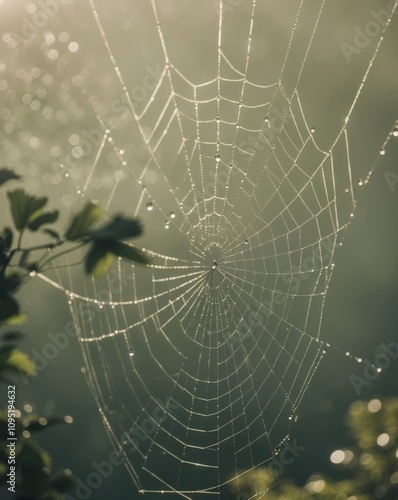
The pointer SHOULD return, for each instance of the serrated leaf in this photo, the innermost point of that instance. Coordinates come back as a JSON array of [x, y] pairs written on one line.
[[24, 207], [98, 260], [119, 229], [128, 252], [16, 362], [6, 175], [40, 220], [83, 221]]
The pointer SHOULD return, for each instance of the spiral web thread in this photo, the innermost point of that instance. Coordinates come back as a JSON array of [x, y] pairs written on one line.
[[199, 363]]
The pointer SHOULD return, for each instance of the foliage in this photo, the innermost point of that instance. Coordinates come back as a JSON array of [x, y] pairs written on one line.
[[34, 479], [17, 262], [370, 467], [29, 213]]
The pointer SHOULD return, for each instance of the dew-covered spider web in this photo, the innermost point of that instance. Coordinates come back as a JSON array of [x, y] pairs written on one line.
[[233, 131]]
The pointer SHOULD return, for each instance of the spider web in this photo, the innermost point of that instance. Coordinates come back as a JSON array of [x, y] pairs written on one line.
[[199, 363]]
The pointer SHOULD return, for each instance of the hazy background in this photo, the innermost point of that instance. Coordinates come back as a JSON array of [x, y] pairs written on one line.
[[79, 81]]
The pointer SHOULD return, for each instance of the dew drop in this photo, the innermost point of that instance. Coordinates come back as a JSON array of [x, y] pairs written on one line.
[[131, 353], [167, 224], [149, 206], [312, 130], [382, 152], [360, 182], [267, 122], [395, 132], [172, 215], [214, 266], [218, 157]]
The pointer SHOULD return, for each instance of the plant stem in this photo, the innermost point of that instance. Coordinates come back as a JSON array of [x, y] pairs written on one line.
[[64, 252]]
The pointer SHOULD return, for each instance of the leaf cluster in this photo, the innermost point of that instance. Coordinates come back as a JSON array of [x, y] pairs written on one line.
[[104, 241], [34, 480]]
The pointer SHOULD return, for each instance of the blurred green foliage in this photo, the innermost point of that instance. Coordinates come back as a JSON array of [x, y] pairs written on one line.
[[34, 480], [369, 469], [33, 467]]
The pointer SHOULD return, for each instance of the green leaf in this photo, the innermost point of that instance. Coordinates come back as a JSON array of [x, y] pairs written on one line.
[[128, 252], [52, 233], [24, 207], [98, 260], [9, 284], [12, 336], [15, 361], [6, 239], [7, 175], [118, 229], [46, 218], [9, 308], [82, 222], [5, 244]]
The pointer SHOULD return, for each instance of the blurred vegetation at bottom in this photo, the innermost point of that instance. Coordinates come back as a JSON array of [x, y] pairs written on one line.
[[369, 469]]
